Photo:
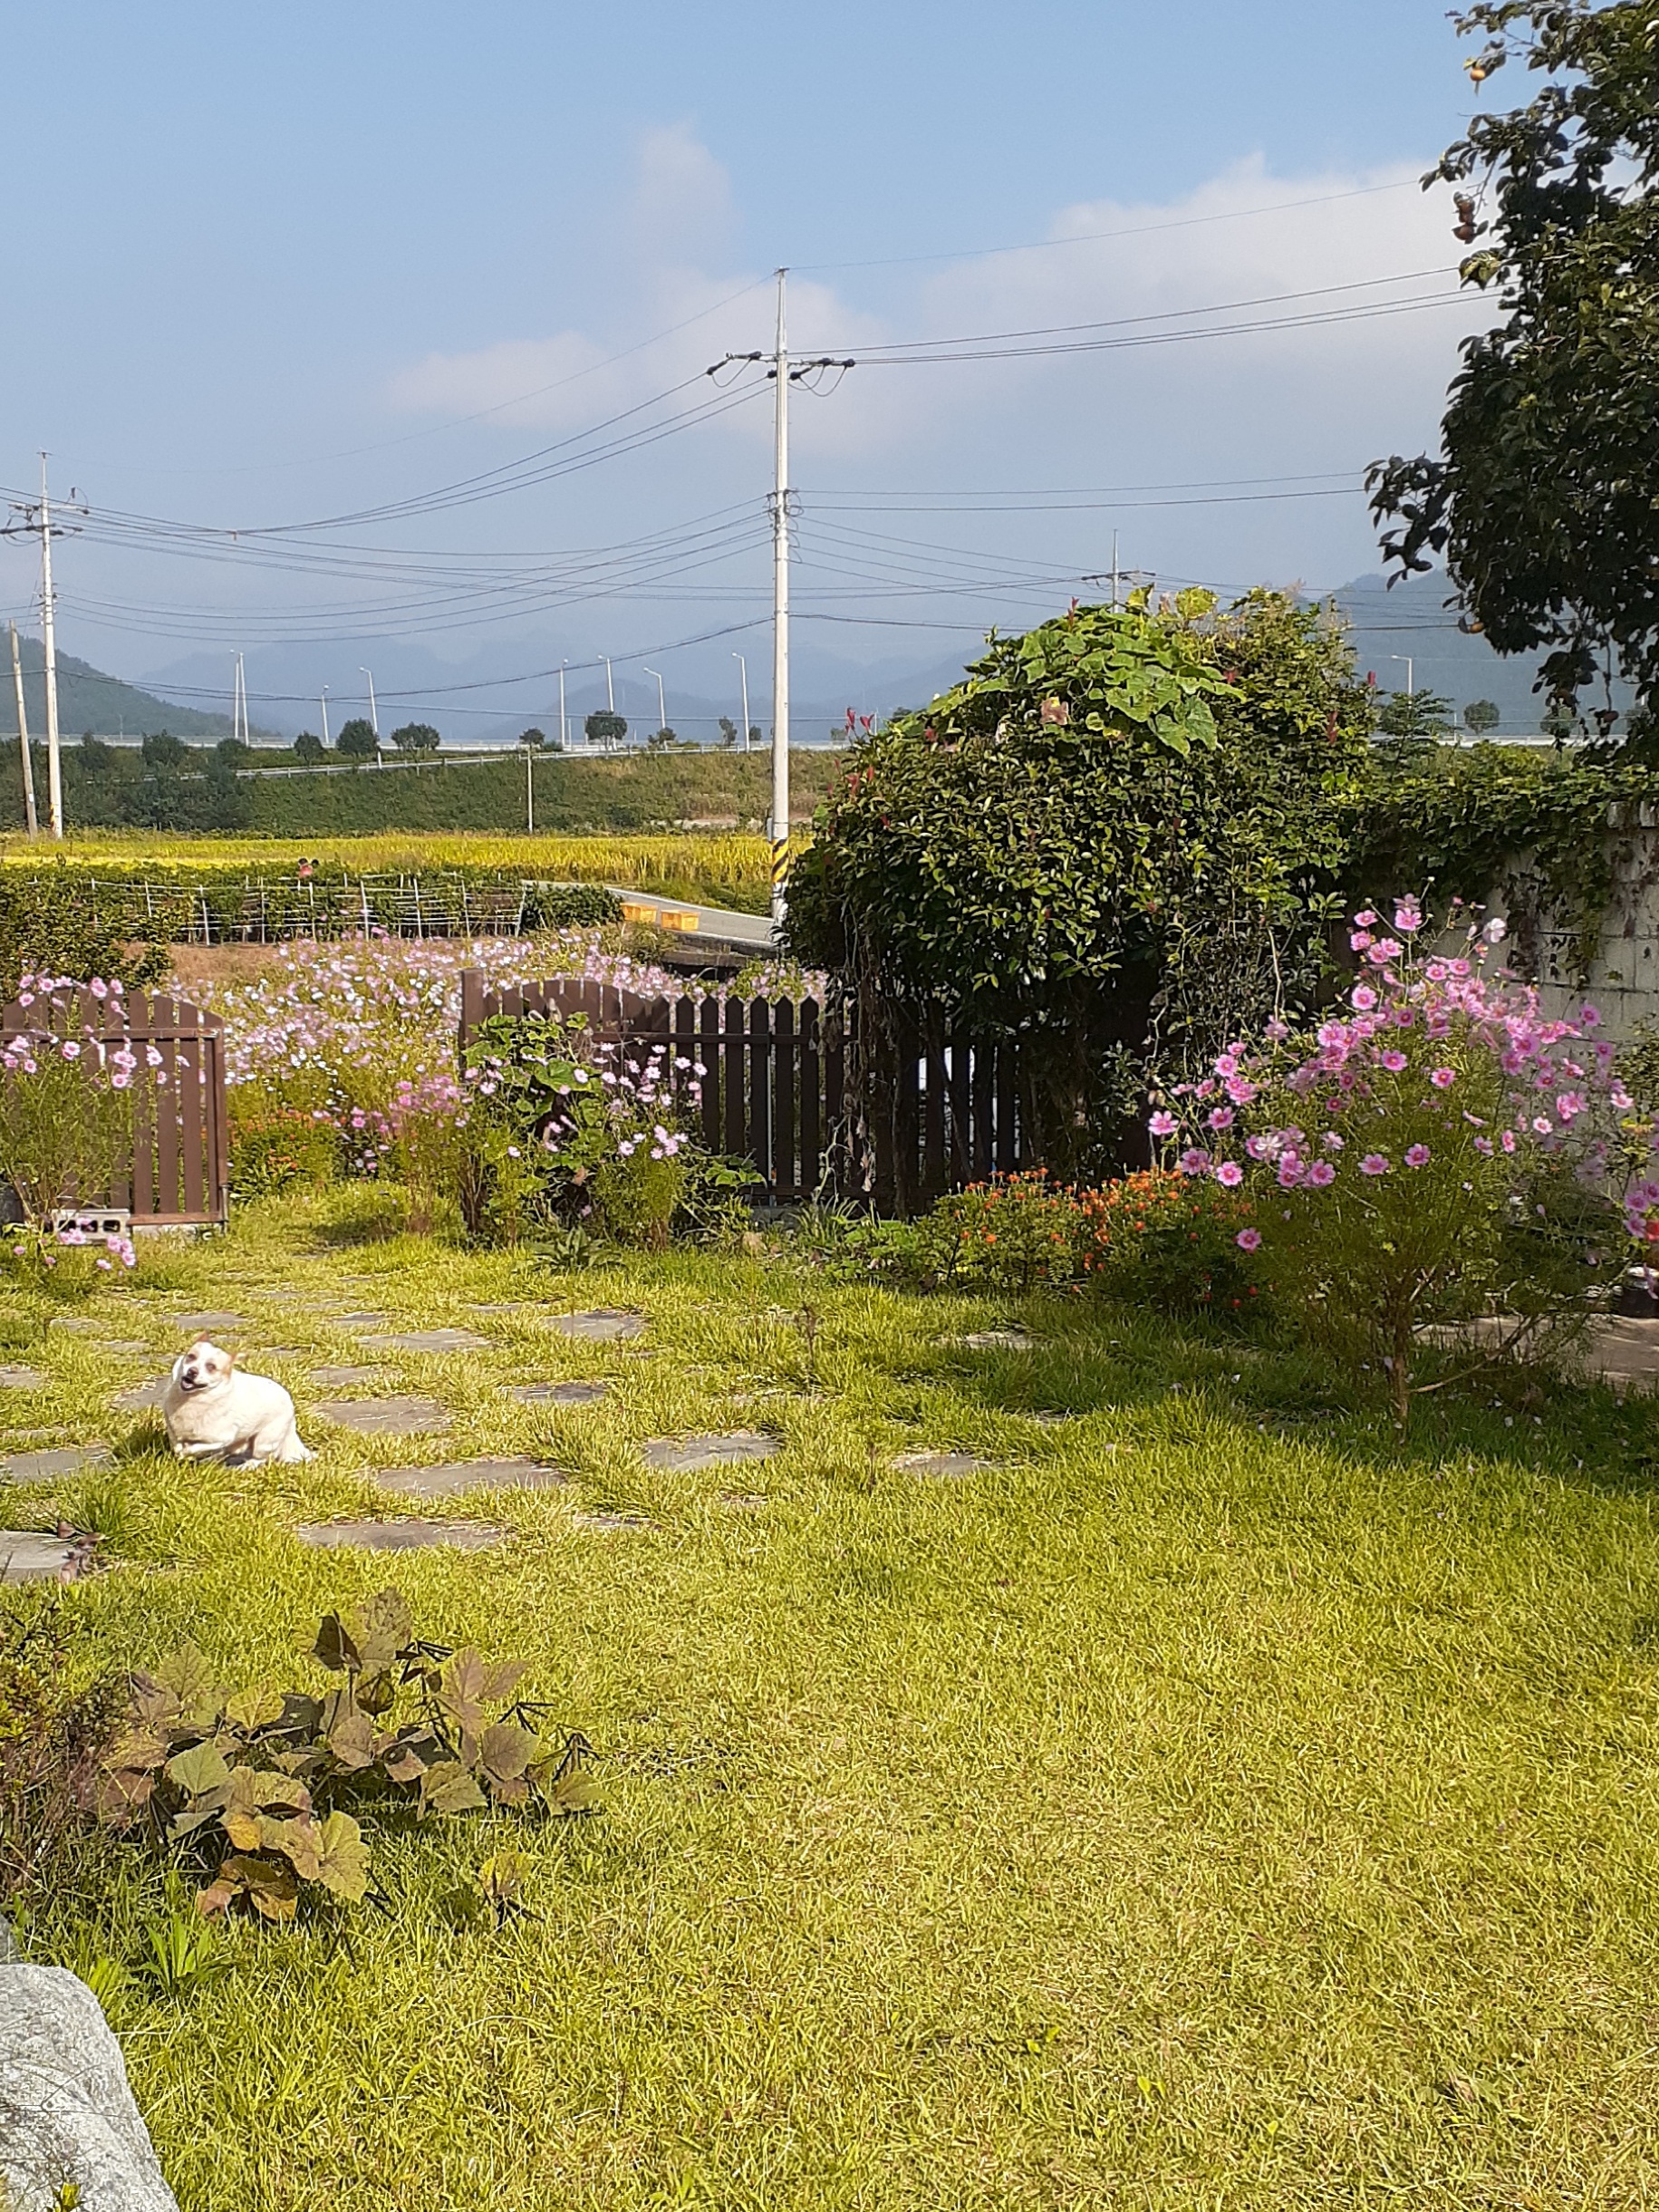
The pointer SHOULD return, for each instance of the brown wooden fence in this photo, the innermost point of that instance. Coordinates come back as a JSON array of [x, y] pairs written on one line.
[[791, 1086], [178, 1171]]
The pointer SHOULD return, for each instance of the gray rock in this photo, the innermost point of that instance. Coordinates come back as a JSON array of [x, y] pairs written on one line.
[[206, 1323], [66, 2113], [60, 1459], [602, 1523], [357, 1320], [603, 1325], [1001, 1340], [22, 1378], [344, 1379], [389, 1417], [431, 1340], [455, 1477], [558, 1394], [943, 1466], [399, 1535], [687, 1454], [141, 1398], [28, 1556]]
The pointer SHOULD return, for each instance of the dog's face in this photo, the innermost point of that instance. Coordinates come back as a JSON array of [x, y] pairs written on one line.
[[203, 1367]]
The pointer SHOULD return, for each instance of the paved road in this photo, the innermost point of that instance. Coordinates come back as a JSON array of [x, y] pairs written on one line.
[[706, 925]]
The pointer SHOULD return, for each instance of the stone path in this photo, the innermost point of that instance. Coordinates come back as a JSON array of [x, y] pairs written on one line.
[[399, 1535], [430, 1341], [453, 1478], [27, 1556], [687, 1455], [1001, 1340], [388, 1416], [943, 1466], [145, 1395], [558, 1394], [607, 1524], [57, 1459], [602, 1325], [356, 1320], [22, 1378], [344, 1379], [205, 1324]]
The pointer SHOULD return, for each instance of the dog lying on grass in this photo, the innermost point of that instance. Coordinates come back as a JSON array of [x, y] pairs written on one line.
[[213, 1411]]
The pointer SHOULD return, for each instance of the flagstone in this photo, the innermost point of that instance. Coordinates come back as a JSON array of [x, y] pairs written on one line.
[[453, 1478], [388, 1416], [431, 1340], [399, 1535], [943, 1466], [687, 1454], [28, 1556], [56, 1458], [602, 1325], [558, 1394]]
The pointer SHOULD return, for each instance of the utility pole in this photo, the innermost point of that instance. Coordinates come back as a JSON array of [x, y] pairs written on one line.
[[30, 817], [326, 718], [743, 669], [1410, 669], [54, 763], [239, 705], [777, 828], [529, 790], [1115, 572], [564, 725]]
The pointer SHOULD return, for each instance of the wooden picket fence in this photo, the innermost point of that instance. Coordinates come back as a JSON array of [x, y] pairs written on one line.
[[177, 1171], [789, 1086]]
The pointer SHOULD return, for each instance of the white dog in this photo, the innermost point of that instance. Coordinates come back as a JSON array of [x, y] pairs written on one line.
[[213, 1412]]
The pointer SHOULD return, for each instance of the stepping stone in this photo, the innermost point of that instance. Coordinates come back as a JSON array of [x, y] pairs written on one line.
[[27, 1556], [76, 1324], [456, 1477], [432, 1340], [143, 1397], [58, 1459], [399, 1535], [127, 1346], [389, 1417], [943, 1466], [342, 1378], [22, 1378], [205, 1324], [514, 1305], [605, 1525], [1001, 1340], [558, 1394], [357, 1320], [744, 1501], [686, 1455], [603, 1325]]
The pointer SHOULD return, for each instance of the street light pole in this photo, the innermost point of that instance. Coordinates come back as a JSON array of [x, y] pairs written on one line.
[[662, 702], [743, 668], [564, 725], [1410, 671], [375, 720], [778, 826], [326, 718]]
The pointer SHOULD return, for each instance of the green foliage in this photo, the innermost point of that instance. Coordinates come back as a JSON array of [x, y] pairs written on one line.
[[1013, 1234], [604, 725], [416, 738], [533, 740], [48, 927], [252, 1791], [1414, 714], [180, 1957], [357, 740], [308, 747], [1121, 808], [1167, 1242], [235, 752], [161, 749], [64, 1128], [279, 1149], [1544, 498], [1481, 717], [53, 1731]]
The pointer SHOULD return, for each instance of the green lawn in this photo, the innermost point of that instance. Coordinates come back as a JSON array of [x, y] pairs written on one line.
[[1214, 1803]]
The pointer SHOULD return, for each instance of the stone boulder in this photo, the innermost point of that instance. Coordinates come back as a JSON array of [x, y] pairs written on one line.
[[66, 2113]]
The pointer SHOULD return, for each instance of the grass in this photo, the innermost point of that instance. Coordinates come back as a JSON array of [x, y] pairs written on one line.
[[1217, 1803]]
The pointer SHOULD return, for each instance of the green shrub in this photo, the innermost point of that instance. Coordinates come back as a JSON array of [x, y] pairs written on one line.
[[49, 927], [281, 1149], [53, 1735], [253, 1791], [1012, 1233], [1168, 1242]]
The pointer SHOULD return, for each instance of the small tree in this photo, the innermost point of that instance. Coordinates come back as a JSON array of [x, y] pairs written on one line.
[[308, 747], [533, 740], [662, 740], [235, 752], [605, 727], [728, 731], [1414, 714], [161, 749], [357, 740], [754, 733], [1482, 715], [416, 737]]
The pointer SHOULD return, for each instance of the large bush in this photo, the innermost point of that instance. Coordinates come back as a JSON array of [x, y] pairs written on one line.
[[1124, 825], [48, 927]]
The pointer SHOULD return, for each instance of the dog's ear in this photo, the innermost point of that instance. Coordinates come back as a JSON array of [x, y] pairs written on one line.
[[230, 1359], [177, 1366]]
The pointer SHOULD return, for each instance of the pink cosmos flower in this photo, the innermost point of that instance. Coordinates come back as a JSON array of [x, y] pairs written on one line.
[[1360, 940], [1393, 1061], [1162, 1123], [1362, 997], [1375, 1163], [1569, 1105], [1192, 1161], [1365, 919], [1442, 1078], [1543, 1125], [1508, 1140], [1321, 1175], [1590, 1017], [1222, 1118], [1277, 1031], [1408, 917], [1484, 1145], [1417, 1155], [1230, 1174], [1290, 1172], [1248, 1240]]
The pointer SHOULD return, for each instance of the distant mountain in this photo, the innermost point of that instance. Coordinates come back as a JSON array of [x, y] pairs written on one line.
[[88, 700], [1413, 619]]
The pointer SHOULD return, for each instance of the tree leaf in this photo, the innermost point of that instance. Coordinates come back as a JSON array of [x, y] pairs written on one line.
[[447, 1787], [461, 1687], [352, 1742], [187, 1680], [342, 1858], [505, 1751], [199, 1770], [380, 1629], [251, 1710]]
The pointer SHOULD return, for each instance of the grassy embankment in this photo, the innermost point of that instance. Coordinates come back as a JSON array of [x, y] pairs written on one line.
[[1214, 1802]]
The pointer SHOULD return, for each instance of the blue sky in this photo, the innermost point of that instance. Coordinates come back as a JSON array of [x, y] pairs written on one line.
[[264, 265]]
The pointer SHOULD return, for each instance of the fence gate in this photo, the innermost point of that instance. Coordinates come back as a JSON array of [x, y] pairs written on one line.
[[178, 1169]]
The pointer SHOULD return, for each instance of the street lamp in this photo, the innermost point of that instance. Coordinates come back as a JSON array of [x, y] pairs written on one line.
[[743, 667], [564, 725], [662, 702], [375, 720], [326, 718], [1410, 692]]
